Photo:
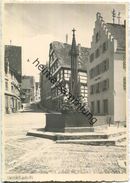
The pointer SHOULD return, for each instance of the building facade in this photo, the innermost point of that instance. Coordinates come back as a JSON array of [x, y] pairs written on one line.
[[28, 89], [106, 71], [13, 72], [45, 91], [37, 92], [60, 67]]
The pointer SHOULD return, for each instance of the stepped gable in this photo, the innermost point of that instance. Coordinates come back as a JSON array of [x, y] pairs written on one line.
[[114, 31]]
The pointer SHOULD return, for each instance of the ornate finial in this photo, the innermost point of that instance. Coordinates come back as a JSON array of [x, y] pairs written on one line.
[[73, 30], [98, 15], [119, 17], [73, 47], [113, 15], [74, 88], [66, 38], [101, 18]]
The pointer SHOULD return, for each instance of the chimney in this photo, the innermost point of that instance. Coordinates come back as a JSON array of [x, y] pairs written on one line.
[[66, 38], [125, 23], [118, 17], [113, 15]]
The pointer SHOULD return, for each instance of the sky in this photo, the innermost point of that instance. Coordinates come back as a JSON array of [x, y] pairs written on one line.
[[35, 26]]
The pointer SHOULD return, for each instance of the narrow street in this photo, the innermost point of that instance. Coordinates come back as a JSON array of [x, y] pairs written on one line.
[[26, 154]]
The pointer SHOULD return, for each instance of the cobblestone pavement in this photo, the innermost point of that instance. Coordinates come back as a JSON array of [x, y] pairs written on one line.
[[26, 154]]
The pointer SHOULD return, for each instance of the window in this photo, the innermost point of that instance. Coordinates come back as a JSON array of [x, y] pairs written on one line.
[[12, 88], [100, 86], [105, 106], [97, 37], [6, 101], [82, 74], [92, 89], [104, 47], [124, 62], [100, 68], [124, 83], [97, 53], [83, 77], [84, 90], [12, 102], [105, 85], [6, 69], [61, 74], [97, 88], [67, 74], [92, 107], [97, 72], [98, 106], [6, 85], [91, 57], [105, 65]]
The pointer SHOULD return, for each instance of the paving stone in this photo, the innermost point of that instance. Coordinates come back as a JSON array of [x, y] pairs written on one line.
[[24, 154]]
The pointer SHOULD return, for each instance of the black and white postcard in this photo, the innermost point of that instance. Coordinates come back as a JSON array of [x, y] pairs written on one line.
[[65, 91]]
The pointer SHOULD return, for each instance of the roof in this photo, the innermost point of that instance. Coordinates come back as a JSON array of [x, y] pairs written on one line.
[[118, 32], [13, 53], [62, 51], [13, 56]]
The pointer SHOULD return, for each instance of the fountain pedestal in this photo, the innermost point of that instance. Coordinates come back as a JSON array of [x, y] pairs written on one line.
[[67, 122]]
